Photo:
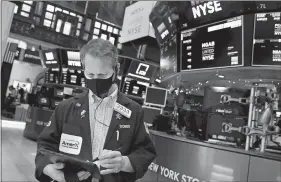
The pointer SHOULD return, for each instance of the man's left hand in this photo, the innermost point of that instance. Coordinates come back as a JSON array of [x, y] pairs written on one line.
[[111, 160]]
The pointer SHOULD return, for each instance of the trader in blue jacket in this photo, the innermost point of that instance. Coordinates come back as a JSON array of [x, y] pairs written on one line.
[[102, 123]]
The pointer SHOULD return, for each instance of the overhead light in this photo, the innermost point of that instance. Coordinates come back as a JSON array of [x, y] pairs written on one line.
[[13, 124], [220, 76], [22, 45], [33, 48], [220, 89], [157, 80], [207, 81], [233, 82], [260, 80]]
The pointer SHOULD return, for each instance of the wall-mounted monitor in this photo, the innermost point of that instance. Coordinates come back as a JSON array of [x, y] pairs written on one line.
[[150, 113], [141, 70], [198, 13], [267, 39], [156, 96], [43, 101], [58, 93], [217, 45], [168, 59], [134, 87], [51, 58], [71, 59], [52, 75]]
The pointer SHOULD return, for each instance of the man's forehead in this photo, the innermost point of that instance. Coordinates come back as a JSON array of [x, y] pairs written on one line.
[[91, 58]]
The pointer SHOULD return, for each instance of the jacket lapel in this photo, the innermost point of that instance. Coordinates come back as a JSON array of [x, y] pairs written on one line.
[[121, 99], [82, 112]]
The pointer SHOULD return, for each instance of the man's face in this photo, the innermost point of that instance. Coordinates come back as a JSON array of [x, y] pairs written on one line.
[[95, 68]]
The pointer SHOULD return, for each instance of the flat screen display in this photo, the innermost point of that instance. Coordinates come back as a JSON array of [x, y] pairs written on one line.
[[156, 96], [67, 91], [74, 59], [150, 113], [52, 76], [71, 59], [50, 58], [168, 59], [134, 87], [213, 46], [141, 70], [43, 101], [58, 93], [267, 39]]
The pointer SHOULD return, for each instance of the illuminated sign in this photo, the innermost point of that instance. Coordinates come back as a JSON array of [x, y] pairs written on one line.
[[206, 8], [142, 69]]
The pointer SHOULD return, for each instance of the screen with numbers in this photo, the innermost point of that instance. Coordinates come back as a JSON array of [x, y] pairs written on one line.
[[267, 39], [213, 46]]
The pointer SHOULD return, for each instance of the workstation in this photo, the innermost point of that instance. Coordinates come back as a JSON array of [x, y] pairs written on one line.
[[222, 72], [207, 75]]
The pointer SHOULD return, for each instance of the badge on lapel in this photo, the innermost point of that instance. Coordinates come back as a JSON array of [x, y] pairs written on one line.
[[118, 116], [83, 114], [122, 110]]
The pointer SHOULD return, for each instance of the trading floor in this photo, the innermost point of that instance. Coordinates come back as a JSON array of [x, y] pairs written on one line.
[[17, 153], [141, 91]]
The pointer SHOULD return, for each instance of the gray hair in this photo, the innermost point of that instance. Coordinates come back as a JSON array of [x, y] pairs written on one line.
[[100, 48]]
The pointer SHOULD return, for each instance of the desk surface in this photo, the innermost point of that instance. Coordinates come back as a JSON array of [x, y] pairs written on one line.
[[266, 155]]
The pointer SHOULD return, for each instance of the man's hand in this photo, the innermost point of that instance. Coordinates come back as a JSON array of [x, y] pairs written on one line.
[[112, 161], [54, 171], [82, 175]]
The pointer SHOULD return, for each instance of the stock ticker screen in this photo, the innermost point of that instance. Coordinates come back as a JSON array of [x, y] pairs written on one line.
[[267, 39], [168, 59], [212, 46]]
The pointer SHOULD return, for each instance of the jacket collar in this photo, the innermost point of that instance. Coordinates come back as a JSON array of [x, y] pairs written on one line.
[[83, 101]]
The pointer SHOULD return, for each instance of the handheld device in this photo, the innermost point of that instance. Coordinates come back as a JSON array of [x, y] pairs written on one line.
[[89, 166]]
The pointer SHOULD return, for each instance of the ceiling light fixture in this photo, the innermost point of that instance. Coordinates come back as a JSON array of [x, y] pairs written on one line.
[[220, 89]]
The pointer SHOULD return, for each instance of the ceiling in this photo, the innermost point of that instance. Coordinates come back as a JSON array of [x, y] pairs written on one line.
[[110, 11]]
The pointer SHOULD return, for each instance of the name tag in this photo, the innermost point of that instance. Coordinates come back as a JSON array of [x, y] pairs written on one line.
[[123, 110], [124, 126], [70, 144]]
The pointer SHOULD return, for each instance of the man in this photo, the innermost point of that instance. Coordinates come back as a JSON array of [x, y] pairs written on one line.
[[102, 122]]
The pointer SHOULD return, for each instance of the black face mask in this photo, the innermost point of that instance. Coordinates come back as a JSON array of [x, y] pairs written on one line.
[[99, 86]]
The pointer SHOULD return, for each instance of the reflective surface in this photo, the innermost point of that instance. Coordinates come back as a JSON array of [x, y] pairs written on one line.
[[17, 153]]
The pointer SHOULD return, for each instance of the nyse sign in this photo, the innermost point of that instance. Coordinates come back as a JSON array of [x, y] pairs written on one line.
[[206, 8], [136, 21]]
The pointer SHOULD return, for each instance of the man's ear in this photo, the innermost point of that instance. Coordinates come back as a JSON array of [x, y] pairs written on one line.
[[117, 68]]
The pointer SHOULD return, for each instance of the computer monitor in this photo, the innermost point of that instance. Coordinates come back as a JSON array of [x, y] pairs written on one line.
[[150, 114], [51, 58], [216, 123], [156, 96], [58, 93], [44, 101]]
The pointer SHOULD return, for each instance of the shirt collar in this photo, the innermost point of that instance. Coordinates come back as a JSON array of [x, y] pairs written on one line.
[[112, 93]]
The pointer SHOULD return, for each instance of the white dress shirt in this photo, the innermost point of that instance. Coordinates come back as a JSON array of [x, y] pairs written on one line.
[[101, 111]]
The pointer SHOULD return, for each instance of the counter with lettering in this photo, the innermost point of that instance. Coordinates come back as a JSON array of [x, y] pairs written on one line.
[[184, 160], [36, 120]]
